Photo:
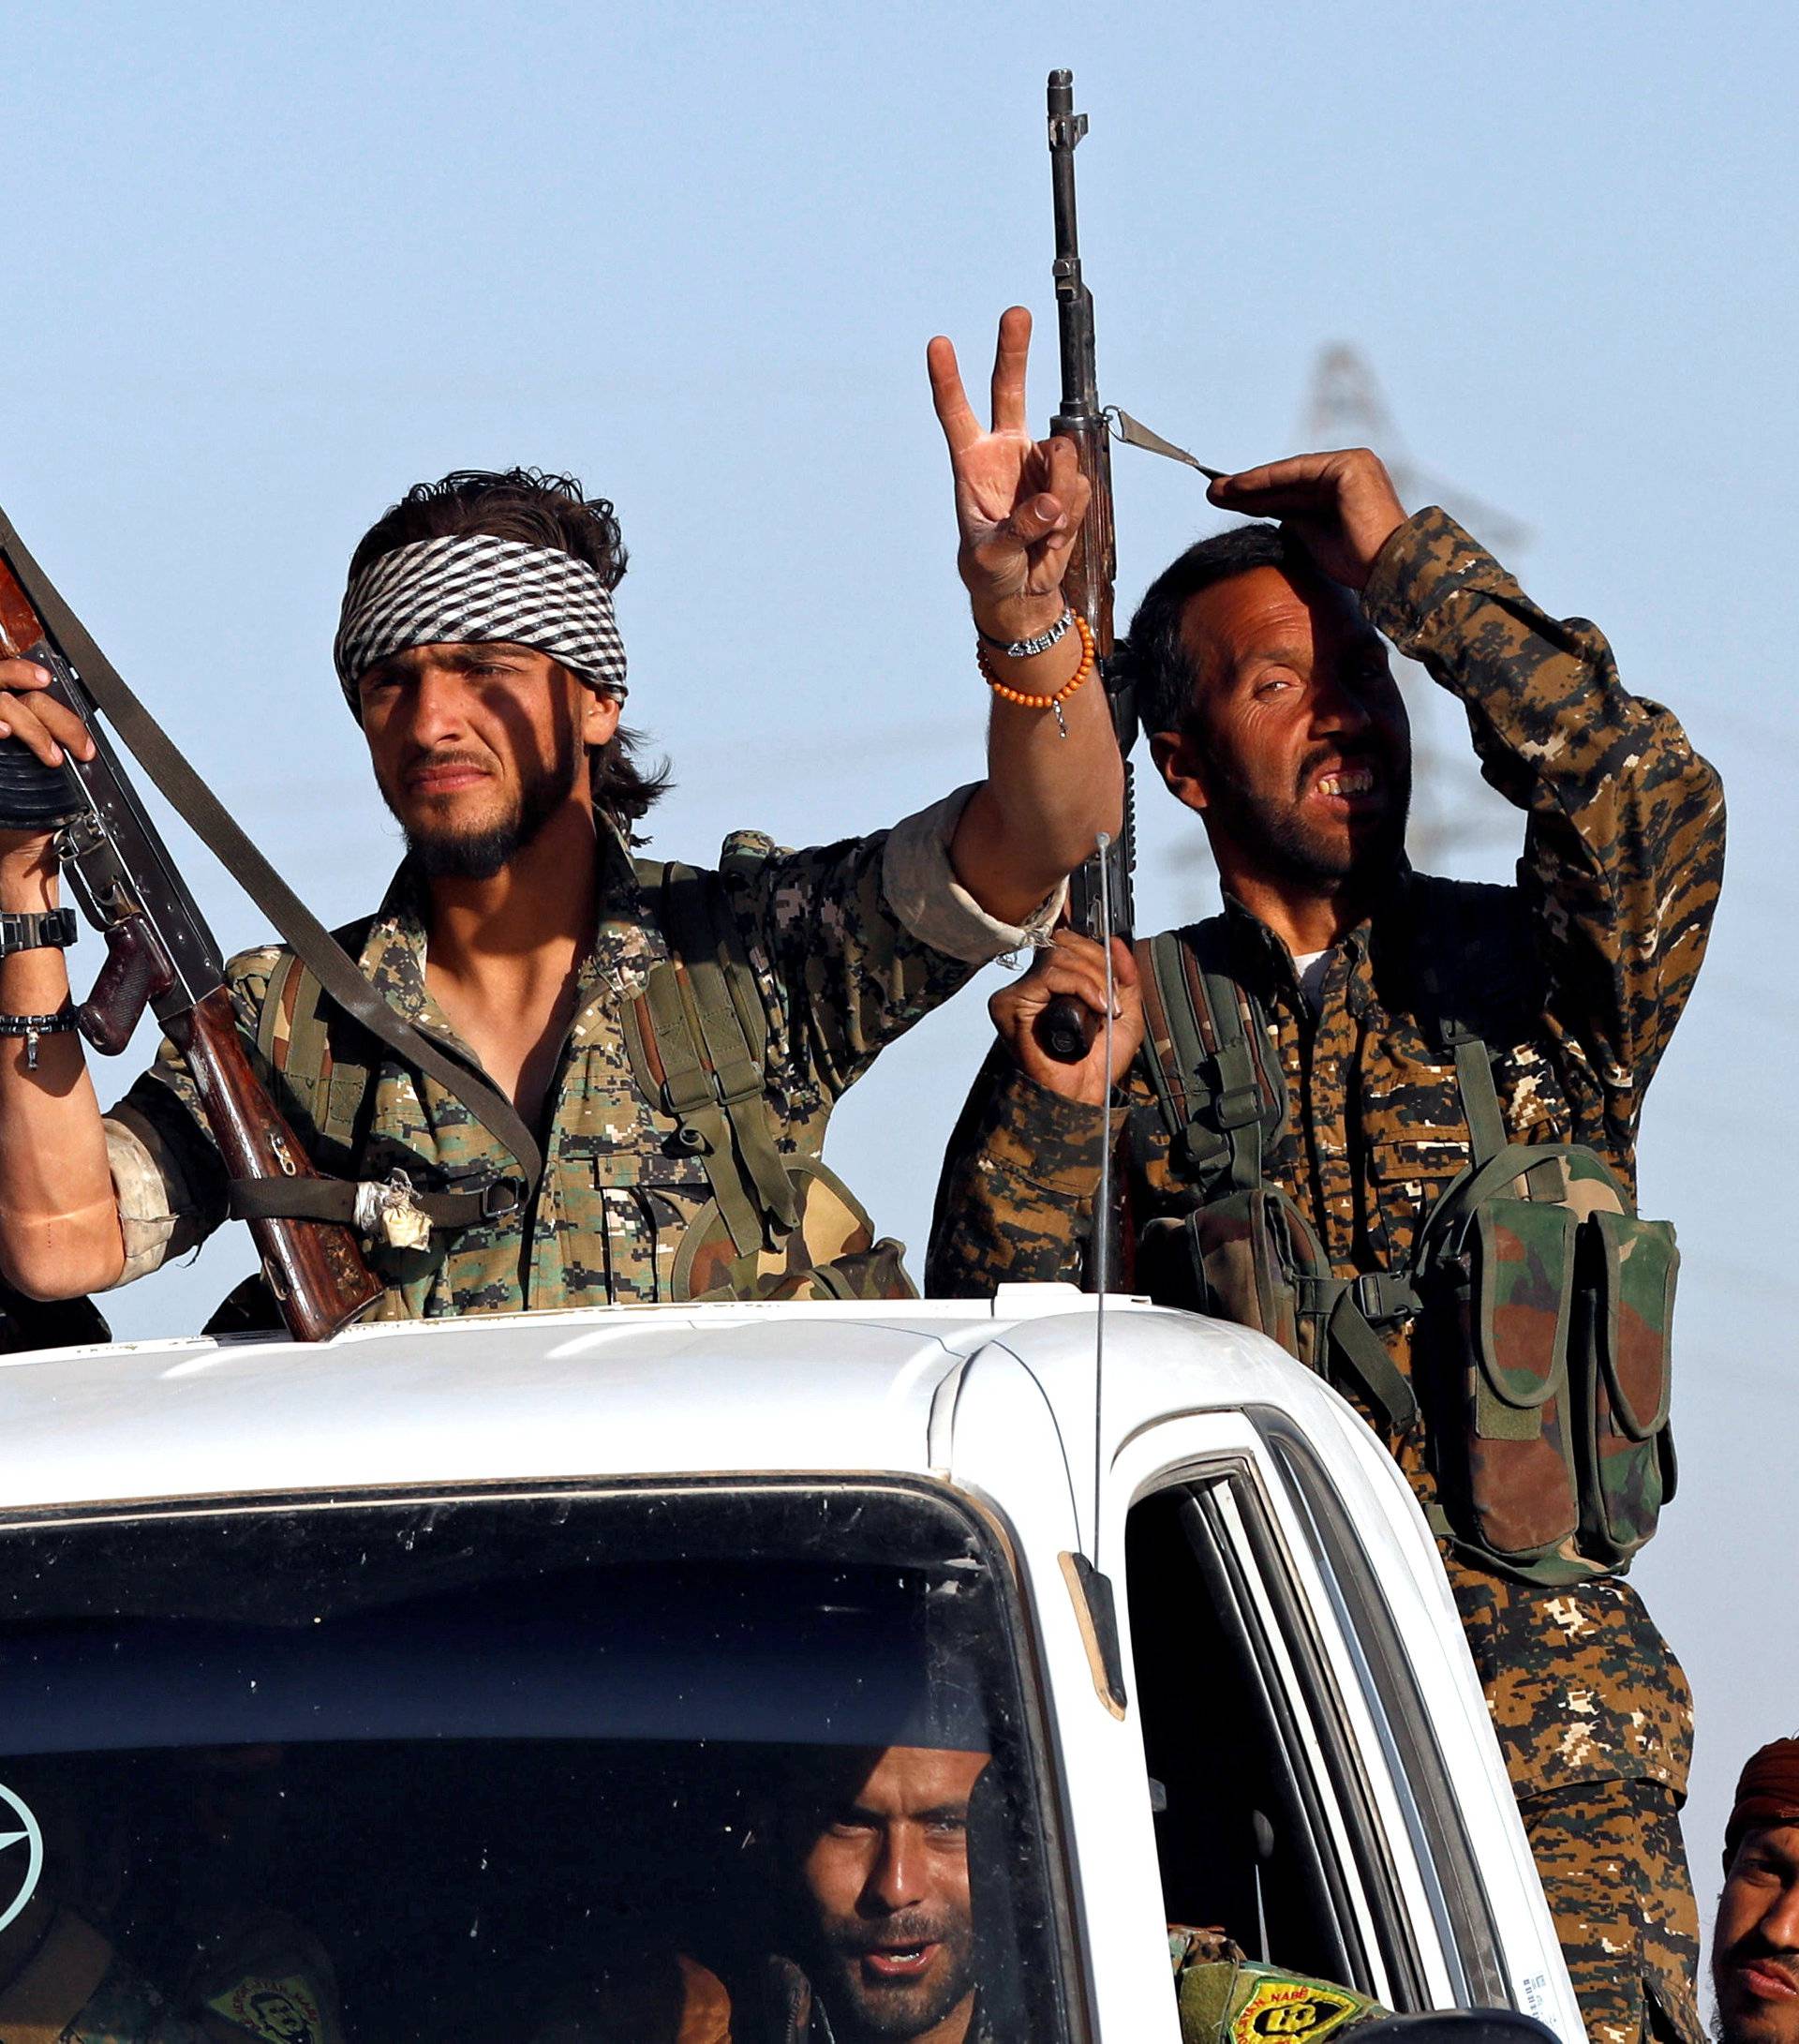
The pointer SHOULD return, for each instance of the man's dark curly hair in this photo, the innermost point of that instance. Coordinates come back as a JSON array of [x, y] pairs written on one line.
[[1154, 655], [535, 508]]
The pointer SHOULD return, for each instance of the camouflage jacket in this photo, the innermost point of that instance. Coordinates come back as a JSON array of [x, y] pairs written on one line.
[[1574, 980], [850, 945]]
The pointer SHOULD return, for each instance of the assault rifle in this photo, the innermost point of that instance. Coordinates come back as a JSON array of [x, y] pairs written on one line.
[[159, 952], [1065, 1028]]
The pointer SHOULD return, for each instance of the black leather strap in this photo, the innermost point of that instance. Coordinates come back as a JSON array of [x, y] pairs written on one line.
[[335, 1200]]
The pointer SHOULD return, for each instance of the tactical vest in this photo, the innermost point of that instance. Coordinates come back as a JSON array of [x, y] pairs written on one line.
[[777, 1225], [1541, 1305]]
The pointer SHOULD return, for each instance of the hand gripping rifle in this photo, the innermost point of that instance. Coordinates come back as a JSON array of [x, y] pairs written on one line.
[[160, 954], [1065, 1028]]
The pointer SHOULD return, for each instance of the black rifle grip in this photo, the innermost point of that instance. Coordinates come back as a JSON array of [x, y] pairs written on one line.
[[1065, 1029], [135, 973]]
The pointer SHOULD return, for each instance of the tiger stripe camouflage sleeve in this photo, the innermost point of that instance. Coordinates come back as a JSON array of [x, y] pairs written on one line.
[[1624, 850]]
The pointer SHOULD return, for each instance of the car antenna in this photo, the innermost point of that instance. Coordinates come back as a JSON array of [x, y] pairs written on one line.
[[1095, 1605], [1103, 1206], [1089, 577]]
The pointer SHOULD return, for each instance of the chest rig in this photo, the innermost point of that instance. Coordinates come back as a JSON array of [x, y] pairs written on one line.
[[775, 1225], [1538, 1306]]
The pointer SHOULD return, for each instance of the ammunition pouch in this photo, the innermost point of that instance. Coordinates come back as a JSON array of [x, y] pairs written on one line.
[[1542, 1301], [1553, 1309], [830, 1253]]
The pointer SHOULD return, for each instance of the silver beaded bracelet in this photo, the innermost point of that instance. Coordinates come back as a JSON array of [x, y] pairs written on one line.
[[1024, 648]]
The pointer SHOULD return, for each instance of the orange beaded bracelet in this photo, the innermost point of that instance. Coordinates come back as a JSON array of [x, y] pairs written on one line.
[[1042, 702]]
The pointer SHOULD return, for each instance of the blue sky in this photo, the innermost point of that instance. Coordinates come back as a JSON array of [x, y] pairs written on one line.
[[269, 265]]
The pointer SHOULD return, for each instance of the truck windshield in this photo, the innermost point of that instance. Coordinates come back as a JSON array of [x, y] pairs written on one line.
[[696, 1765]]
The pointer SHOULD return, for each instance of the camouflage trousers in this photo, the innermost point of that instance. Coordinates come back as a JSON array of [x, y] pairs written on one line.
[[1614, 1871]]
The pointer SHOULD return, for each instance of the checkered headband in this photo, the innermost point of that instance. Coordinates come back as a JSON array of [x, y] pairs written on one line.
[[461, 590]]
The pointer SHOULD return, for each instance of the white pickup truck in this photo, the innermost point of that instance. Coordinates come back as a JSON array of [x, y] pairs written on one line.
[[484, 1646]]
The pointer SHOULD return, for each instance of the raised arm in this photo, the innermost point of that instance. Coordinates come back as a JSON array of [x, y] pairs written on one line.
[[59, 1220], [1624, 849], [1053, 780]]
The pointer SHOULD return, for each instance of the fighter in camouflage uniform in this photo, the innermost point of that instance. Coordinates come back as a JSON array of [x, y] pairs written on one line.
[[1573, 981], [479, 651], [840, 971]]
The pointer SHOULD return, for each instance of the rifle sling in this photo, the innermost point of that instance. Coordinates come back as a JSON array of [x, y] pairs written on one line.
[[335, 1200], [195, 804]]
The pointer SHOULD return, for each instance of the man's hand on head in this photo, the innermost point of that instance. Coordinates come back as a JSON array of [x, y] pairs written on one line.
[[1018, 501], [1076, 965], [1343, 505]]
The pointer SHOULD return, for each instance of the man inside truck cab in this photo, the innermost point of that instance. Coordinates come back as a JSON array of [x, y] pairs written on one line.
[[886, 1855]]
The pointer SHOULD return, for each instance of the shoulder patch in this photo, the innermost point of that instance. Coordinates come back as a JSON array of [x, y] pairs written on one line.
[[283, 2011], [1283, 2008]]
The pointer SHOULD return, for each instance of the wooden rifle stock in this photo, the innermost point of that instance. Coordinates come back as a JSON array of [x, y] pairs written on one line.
[[315, 1269]]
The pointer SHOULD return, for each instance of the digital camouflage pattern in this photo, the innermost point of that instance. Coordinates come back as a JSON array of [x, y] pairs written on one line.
[[1615, 1873], [267, 1979], [839, 976], [1574, 980]]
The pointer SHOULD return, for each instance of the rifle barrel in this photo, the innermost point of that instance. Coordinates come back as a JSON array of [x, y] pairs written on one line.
[[1074, 301]]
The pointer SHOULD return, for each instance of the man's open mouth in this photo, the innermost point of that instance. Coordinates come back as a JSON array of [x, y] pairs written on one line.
[[1355, 781], [897, 1962]]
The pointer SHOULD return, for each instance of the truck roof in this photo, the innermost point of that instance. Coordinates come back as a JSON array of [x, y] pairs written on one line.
[[606, 1392]]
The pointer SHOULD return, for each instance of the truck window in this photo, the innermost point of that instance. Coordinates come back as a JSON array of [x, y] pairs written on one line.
[[1260, 1827], [559, 1767]]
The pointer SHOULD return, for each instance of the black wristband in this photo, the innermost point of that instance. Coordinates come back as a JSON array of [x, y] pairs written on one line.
[[33, 930]]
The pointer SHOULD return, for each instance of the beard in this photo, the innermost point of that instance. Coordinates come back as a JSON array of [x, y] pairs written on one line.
[[901, 2009], [445, 852], [1284, 842]]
